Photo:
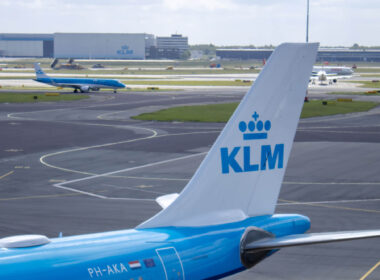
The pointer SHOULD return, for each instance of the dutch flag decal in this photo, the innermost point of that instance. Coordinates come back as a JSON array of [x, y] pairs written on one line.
[[134, 264]]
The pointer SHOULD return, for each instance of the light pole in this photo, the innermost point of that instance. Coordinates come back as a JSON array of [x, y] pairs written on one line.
[[307, 23]]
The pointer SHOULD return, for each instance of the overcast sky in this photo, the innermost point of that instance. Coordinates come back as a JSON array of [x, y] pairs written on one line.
[[220, 22]]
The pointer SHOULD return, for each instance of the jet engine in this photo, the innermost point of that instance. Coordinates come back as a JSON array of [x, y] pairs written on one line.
[[84, 88]]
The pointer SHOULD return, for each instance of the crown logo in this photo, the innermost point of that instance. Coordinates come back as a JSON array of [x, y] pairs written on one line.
[[249, 129]]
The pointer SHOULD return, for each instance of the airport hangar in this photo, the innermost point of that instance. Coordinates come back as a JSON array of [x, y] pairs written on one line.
[[93, 45], [336, 55]]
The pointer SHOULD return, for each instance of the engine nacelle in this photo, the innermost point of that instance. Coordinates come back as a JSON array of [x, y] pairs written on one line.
[[249, 259], [84, 88]]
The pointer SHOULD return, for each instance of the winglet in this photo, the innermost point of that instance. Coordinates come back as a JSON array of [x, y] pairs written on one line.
[[39, 72]]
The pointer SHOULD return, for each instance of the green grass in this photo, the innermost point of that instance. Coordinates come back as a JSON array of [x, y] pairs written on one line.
[[189, 83], [198, 113], [222, 112], [315, 108], [367, 84], [367, 70], [27, 97], [375, 76], [354, 93]]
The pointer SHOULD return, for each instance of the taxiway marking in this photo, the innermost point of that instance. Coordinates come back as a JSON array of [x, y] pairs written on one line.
[[60, 185], [15, 115], [370, 271], [330, 206], [329, 201], [6, 174], [44, 157], [38, 196]]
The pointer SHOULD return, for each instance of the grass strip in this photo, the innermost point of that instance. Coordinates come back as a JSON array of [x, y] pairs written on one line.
[[190, 83], [222, 112], [367, 84], [355, 93]]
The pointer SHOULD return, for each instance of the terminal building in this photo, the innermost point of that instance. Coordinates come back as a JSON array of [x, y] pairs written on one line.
[[92, 45], [171, 47], [337, 55]]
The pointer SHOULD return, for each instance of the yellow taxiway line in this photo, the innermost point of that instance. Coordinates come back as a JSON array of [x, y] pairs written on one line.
[[6, 174], [370, 271]]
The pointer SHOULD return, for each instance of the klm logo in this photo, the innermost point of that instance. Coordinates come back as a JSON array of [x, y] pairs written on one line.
[[124, 50], [266, 157], [39, 72]]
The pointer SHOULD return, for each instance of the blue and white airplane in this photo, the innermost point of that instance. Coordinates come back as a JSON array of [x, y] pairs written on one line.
[[223, 222], [81, 84]]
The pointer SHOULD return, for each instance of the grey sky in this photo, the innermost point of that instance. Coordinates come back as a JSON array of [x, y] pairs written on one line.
[[221, 22]]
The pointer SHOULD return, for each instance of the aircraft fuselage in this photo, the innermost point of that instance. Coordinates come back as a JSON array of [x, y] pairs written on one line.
[[82, 83], [159, 253]]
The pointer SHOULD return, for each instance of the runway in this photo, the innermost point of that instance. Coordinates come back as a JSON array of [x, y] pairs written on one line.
[[85, 166]]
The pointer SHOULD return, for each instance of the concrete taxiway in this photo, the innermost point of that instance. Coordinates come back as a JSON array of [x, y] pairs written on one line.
[[85, 166]]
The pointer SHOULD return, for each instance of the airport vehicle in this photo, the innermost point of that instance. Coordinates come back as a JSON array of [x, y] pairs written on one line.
[[81, 84], [222, 222], [70, 65]]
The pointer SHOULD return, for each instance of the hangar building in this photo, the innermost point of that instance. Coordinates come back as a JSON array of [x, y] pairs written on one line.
[[27, 45], [99, 45], [77, 45]]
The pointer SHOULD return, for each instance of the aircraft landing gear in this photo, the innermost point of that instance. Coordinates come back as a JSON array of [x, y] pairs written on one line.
[[114, 91], [75, 90]]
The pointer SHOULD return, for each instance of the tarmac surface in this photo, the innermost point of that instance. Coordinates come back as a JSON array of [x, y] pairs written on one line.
[[85, 166]]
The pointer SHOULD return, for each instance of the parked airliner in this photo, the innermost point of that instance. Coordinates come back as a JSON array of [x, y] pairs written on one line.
[[223, 221], [330, 74], [81, 84], [335, 70]]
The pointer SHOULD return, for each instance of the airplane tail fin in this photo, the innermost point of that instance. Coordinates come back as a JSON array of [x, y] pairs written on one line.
[[241, 176], [39, 72]]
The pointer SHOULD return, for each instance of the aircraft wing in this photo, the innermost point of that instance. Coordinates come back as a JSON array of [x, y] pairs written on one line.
[[308, 239], [340, 77]]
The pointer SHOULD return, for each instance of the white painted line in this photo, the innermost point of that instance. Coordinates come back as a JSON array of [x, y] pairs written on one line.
[[78, 191], [330, 201], [337, 132], [331, 183], [154, 178], [132, 168], [43, 158], [134, 189], [60, 185]]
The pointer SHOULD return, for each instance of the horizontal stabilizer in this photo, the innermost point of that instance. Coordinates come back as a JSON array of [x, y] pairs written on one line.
[[309, 239], [165, 200]]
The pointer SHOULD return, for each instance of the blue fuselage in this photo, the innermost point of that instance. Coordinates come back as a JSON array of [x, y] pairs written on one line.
[[82, 82], [159, 253]]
